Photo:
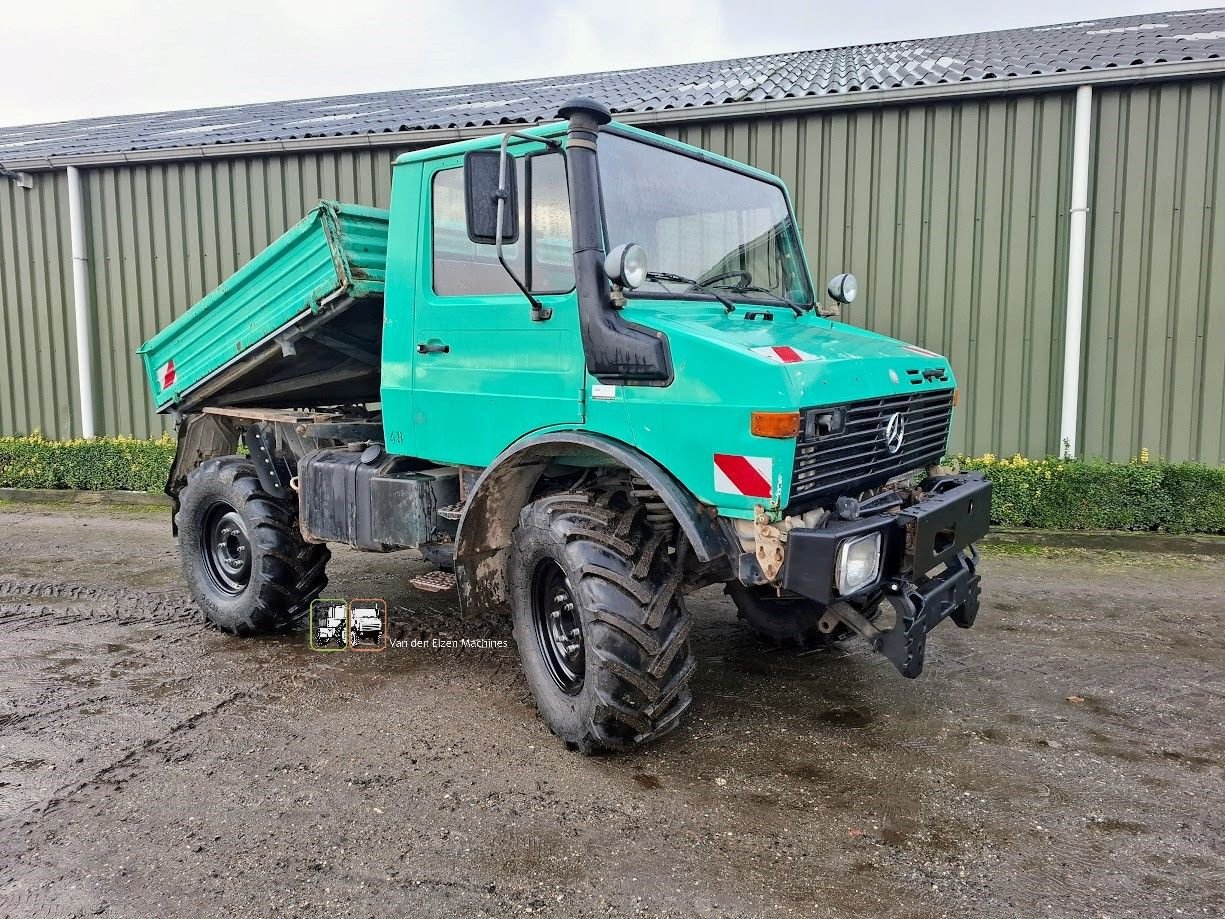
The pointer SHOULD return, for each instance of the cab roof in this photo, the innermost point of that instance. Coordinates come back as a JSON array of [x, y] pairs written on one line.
[[558, 129]]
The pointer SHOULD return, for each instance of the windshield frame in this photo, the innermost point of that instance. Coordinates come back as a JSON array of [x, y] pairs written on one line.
[[713, 159]]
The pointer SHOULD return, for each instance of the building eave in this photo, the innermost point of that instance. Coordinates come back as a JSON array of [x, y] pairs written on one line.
[[906, 95]]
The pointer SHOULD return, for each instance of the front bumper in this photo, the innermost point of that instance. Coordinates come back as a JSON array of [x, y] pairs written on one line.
[[936, 531]]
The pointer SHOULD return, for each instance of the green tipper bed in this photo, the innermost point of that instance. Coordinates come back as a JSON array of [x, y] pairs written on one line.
[[338, 251]]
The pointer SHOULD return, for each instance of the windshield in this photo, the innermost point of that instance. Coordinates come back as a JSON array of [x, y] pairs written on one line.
[[706, 229]]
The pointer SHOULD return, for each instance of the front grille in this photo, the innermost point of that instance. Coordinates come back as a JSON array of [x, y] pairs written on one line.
[[856, 457]]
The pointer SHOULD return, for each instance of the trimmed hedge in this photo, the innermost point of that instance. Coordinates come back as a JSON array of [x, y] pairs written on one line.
[[1080, 494], [103, 463], [1050, 493]]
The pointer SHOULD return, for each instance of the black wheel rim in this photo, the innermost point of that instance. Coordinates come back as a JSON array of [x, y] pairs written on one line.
[[226, 549], [559, 631]]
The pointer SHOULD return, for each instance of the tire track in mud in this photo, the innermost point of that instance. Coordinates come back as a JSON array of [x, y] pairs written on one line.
[[80, 647], [13, 720], [73, 604], [17, 888], [153, 745]]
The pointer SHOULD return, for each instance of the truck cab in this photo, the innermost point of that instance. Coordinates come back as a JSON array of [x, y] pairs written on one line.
[[599, 376]]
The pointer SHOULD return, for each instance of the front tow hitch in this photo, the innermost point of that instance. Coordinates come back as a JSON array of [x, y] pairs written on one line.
[[917, 609]]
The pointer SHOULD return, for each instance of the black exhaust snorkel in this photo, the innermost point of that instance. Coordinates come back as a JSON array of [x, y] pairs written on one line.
[[616, 351]]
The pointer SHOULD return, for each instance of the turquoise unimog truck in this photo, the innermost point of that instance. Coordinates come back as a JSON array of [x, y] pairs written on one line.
[[583, 371]]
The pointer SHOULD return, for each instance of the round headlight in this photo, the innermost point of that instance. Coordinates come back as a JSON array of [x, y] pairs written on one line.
[[843, 288], [626, 265]]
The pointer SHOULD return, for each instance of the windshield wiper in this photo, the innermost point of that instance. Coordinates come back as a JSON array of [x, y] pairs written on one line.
[[794, 307], [668, 276], [728, 306]]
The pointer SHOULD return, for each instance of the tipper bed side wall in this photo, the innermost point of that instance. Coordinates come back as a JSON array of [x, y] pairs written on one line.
[[337, 251]]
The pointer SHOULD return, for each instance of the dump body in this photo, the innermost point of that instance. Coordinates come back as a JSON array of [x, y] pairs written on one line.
[[320, 285]]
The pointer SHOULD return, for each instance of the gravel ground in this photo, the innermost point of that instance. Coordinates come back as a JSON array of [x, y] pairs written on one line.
[[1064, 758]]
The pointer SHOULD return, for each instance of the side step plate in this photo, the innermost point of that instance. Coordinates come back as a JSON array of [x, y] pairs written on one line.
[[434, 581]]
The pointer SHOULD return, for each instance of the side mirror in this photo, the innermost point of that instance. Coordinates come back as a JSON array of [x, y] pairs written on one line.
[[482, 169], [843, 288]]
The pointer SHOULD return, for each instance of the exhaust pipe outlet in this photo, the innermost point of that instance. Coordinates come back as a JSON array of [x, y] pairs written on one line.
[[585, 117]]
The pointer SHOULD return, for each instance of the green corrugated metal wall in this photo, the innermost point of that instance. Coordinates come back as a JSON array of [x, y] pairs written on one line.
[[954, 216], [1154, 364], [38, 387]]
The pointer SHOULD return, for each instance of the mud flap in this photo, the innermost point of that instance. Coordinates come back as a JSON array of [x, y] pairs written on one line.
[[954, 594]]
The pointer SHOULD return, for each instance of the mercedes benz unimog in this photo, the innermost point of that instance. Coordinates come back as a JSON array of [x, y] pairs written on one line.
[[583, 371]]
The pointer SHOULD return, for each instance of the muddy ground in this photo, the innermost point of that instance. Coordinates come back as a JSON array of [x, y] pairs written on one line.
[[1064, 758]]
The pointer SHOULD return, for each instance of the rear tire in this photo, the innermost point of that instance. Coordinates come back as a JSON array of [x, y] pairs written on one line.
[[602, 632], [244, 558]]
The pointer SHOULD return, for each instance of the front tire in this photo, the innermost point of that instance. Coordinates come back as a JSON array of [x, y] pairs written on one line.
[[602, 632], [244, 558]]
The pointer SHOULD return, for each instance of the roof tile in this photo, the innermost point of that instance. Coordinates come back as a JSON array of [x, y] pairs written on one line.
[[1089, 45]]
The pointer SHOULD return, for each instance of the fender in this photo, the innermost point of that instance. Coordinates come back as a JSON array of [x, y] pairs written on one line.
[[492, 511], [200, 437]]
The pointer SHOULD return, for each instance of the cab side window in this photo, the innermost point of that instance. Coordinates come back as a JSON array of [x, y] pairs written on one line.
[[551, 263], [463, 268]]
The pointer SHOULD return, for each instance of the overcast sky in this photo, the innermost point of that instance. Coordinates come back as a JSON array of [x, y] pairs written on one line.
[[105, 57]]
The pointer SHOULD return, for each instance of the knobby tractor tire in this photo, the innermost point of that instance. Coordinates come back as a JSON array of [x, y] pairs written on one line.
[[622, 582], [244, 558], [785, 622]]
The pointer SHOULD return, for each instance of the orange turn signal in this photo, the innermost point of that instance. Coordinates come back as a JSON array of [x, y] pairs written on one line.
[[775, 424], [957, 397]]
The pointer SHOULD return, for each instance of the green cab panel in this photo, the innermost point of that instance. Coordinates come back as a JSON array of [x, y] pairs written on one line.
[[466, 370], [337, 249]]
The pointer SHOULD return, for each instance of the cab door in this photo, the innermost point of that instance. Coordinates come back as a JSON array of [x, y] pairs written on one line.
[[483, 372]]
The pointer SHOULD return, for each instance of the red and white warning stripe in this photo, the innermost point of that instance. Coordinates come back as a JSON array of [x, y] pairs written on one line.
[[743, 475], [785, 354], [165, 374]]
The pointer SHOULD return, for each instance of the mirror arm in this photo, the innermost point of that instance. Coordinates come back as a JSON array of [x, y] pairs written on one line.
[[540, 312]]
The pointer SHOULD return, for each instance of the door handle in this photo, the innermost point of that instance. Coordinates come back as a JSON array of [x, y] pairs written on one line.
[[432, 347]]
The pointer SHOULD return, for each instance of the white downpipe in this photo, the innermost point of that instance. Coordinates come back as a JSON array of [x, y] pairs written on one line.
[[81, 305], [1077, 233]]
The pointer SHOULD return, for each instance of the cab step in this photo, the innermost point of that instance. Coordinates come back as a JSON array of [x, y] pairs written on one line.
[[452, 512], [435, 581]]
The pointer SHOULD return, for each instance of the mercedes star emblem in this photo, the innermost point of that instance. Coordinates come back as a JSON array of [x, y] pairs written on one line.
[[895, 432]]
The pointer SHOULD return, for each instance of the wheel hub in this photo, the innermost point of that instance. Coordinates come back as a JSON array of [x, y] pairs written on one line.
[[227, 549], [559, 629]]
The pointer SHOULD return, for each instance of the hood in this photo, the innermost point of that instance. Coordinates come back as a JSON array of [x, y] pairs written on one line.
[[811, 360]]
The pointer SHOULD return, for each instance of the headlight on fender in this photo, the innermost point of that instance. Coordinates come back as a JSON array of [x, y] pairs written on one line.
[[858, 563]]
